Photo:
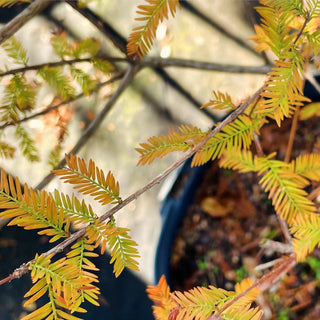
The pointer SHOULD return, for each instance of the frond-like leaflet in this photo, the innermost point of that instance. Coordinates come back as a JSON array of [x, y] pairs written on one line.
[[221, 101], [79, 255], [237, 135], [27, 144], [86, 47], [90, 180], [56, 79], [283, 90], [141, 38], [285, 187], [273, 32], [78, 211], [31, 210], [158, 147], [306, 230], [64, 48], [61, 46], [84, 80], [310, 110], [18, 98], [6, 151], [308, 166], [117, 241], [160, 295], [15, 50], [65, 284], [199, 303]]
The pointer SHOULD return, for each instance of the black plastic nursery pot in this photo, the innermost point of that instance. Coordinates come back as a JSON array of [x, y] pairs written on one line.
[[173, 211], [180, 197]]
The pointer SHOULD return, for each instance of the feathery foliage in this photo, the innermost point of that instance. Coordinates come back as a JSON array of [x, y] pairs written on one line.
[[290, 30], [236, 135], [6, 151], [285, 187], [283, 89], [84, 80], [64, 282], [285, 184], [78, 49], [200, 303], [18, 98], [9, 3], [27, 144], [153, 13], [122, 247], [221, 101], [306, 230], [78, 211], [158, 147], [58, 81], [90, 180], [308, 166], [31, 210], [15, 51], [160, 295], [69, 281]]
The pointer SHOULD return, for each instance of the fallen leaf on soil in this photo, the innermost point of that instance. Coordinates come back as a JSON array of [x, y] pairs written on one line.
[[215, 207]]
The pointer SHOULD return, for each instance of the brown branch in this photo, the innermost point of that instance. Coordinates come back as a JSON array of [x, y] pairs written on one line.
[[293, 131], [187, 155], [99, 24], [156, 62], [125, 81], [57, 64], [263, 283], [258, 145], [303, 27], [21, 19], [116, 77]]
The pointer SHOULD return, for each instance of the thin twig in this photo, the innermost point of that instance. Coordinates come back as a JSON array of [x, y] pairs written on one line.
[[58, 64], [186, 156], [257, 143], [268, 265], [314, 194], [285, 230], [276, 246], [293, 131], [156, 62], [94, 125], [116, 77], [265, 282], [303, 27], [118, 41], [21, 19], [125, 81]]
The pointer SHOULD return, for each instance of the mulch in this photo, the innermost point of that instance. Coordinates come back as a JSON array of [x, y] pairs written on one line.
[[219, 241]]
